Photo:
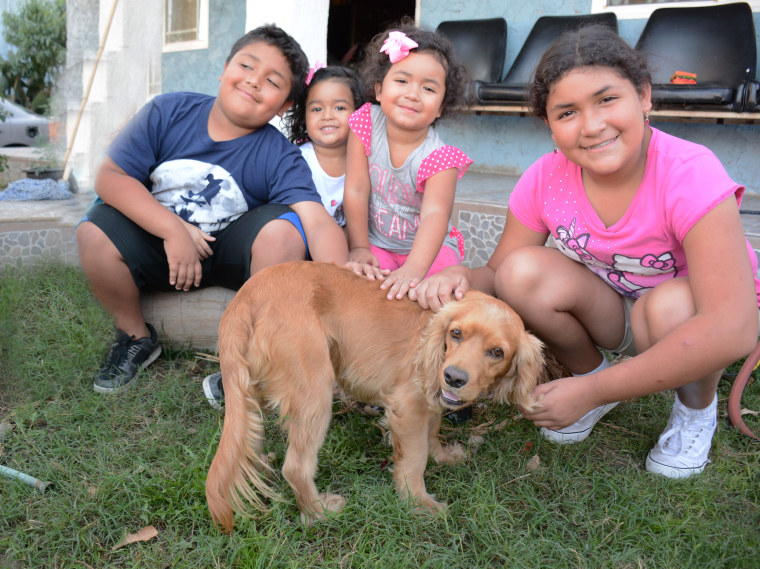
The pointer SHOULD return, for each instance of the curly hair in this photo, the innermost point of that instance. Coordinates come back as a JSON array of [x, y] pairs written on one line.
[[290, 48], [376, 64], [295, 119], [589, 46]]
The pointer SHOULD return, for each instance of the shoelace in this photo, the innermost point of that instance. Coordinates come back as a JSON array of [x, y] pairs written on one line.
[[682, 433], [119, 349]]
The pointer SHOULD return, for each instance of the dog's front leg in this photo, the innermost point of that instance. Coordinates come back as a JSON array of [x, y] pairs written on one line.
[[409, 433], [443, 454]]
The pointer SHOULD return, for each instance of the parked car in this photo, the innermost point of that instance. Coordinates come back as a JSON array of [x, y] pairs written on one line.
[[22, 127]]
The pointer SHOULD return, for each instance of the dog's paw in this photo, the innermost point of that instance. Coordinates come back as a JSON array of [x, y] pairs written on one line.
[[531, 404], [427, 504], [332, 502], [453, 453], [328, 504]]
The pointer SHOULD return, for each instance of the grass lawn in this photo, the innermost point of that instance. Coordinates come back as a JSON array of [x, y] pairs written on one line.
[[122, 463]]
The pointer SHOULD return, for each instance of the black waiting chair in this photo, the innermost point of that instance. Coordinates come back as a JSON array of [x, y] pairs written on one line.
[[717, 43], [752, 98], [480, 45], [513, 89]]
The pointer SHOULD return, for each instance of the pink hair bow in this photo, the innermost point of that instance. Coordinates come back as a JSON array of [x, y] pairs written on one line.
[[397, 46], [312, 70]]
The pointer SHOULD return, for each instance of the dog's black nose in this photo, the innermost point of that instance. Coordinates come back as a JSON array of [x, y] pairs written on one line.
[[455, 377]]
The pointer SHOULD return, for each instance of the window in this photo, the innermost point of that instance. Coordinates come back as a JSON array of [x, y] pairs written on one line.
[[641, 9], [185, 25]]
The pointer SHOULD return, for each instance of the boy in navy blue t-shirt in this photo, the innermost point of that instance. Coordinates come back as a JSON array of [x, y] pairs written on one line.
[[199, 191]]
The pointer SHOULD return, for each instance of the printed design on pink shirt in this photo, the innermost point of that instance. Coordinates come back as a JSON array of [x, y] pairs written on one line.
[[574, 246], [624, 270]]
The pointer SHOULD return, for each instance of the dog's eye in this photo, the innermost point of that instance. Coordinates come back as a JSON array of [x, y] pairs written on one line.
[[497, 353], [455, 334]]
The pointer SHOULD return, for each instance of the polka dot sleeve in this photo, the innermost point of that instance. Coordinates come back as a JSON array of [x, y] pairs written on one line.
[[442, 159], [360, 123]]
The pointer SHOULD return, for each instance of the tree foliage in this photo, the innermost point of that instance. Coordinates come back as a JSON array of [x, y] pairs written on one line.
[[29, 72]]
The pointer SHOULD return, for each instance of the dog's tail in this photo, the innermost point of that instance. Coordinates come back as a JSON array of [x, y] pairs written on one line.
[[235, 480]]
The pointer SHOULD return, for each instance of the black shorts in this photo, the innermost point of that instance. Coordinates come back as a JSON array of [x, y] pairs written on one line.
[[228, 267]]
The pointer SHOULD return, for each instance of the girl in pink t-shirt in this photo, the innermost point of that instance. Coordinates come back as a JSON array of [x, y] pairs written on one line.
[[649, 257], [400, 176]]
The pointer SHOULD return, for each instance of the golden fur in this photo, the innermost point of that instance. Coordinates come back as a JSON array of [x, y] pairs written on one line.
[[296, 328]]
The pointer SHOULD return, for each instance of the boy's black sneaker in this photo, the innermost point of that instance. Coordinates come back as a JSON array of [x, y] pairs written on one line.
[[214, 390], [126, 357]]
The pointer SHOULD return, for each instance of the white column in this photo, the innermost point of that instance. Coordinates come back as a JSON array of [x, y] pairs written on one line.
[[305, 20]]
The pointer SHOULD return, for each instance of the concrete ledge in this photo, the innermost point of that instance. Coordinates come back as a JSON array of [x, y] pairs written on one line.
[[188, 319]]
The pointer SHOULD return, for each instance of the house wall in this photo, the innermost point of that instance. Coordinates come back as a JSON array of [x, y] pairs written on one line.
[[510, 143], [199, 70]]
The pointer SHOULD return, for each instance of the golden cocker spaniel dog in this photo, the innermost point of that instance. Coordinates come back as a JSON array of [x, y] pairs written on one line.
[[296, 328]]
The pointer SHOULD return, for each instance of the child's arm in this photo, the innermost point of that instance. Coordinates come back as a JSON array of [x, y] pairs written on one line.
[[356, 202], [326, 240], [126, 194], [723, 330], [435, 213], [452, 282]]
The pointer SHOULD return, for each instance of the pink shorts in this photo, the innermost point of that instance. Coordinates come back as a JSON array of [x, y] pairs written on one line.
[[446, 257]]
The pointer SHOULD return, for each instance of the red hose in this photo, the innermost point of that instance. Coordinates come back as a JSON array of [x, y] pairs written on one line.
[[735, 398]]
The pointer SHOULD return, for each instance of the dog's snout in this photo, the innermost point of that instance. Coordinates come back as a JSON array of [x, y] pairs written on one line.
[[455, 377]]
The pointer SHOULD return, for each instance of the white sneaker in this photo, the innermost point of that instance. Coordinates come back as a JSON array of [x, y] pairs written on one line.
[[579, 430], [683, 447]]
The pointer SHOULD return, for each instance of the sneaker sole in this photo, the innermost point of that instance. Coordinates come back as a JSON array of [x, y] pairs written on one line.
[[561, 438], [130, 383], [209, 396], [672, 472]]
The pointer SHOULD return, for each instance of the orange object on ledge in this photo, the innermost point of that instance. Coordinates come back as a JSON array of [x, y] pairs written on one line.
[[684, 78]]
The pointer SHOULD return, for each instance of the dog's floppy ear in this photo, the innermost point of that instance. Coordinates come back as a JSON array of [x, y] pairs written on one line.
[[523, 374], [430, 358]]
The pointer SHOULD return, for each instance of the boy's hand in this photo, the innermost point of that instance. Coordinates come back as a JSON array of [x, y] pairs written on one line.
[[401, 281], [184, 264], [201, 240]]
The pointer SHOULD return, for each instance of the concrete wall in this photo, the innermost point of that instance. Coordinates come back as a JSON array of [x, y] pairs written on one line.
[[511, 144]]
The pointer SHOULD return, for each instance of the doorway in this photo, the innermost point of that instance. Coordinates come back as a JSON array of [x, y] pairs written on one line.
[[351, 24]]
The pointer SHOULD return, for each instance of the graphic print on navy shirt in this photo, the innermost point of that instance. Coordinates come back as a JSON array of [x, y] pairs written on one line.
[[200, 193]]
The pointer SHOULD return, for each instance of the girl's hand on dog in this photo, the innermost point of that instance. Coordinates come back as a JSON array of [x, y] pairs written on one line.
[[400, 282], [370, 272], [437, 290]]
